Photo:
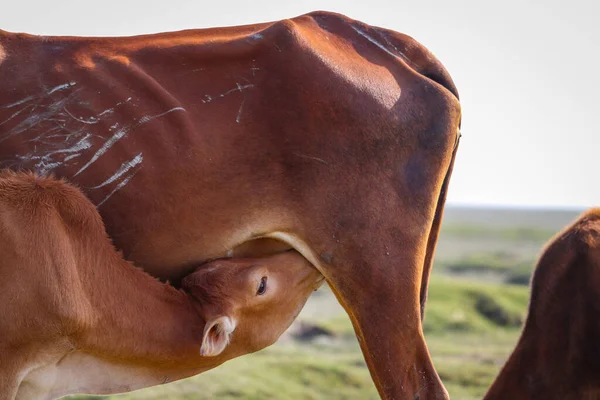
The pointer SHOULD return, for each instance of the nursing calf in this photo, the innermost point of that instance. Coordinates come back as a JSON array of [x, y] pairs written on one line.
[[75, 317], [558, 354]]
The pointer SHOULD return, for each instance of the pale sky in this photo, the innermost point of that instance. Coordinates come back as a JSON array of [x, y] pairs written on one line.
[[528, 73]]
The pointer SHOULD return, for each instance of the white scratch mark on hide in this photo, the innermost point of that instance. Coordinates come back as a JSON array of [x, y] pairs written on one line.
[[72, 156], [29, 98], [90, 121], [239, 114], [148, 118], [122, 133], [107, 145], [28, 157], [36, 119], [238, 88], [66, 137], [56, 120], [376, 43], [16, 103], [43, 168], [127, 100], [26, 124], [47, 162], [112, 109], [14, 115], [254, 68], [44, 135], [311, 158], [107, 111], [257, 36], [62, 87], [118, 187], [126, 166], [97, 118], [83, 144]]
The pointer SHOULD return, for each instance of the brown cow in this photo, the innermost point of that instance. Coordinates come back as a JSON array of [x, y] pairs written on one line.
[[558, 354], [318, 133], [76, 317]]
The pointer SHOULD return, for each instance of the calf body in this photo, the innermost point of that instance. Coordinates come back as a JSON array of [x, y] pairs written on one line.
[[558, 356], [77, 318]]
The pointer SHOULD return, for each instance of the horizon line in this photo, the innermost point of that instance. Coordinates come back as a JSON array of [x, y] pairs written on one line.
[[509, 206]]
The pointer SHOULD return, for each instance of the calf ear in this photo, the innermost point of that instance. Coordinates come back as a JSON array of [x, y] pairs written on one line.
[[216, 337]]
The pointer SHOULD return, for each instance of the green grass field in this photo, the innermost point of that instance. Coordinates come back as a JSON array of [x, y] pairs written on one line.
[[477, 301]]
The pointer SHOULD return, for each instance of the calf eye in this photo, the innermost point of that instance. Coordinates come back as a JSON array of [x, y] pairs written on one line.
[[262, 287]]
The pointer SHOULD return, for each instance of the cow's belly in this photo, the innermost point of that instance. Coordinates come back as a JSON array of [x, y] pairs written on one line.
[[259, 248], [154, 255]]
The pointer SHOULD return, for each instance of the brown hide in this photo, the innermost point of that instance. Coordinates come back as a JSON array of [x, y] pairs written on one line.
[[321, 132], [558, 355], [75, 317]]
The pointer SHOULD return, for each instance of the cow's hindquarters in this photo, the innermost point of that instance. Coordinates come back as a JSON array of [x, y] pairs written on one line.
[[378, 284]]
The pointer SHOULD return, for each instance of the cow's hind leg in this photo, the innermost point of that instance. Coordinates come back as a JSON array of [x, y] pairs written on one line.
[[371, 243], [377, 276], [373, 262], [383, 304]]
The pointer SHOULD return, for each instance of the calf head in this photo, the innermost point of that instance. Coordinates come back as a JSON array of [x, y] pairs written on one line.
[[258, 298]]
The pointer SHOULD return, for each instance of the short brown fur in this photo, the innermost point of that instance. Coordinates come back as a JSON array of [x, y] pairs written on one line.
[[66, 294], [558, 354], [327, 134]]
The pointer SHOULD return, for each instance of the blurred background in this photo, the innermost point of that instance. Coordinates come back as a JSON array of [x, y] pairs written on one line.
[[527, 73]]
